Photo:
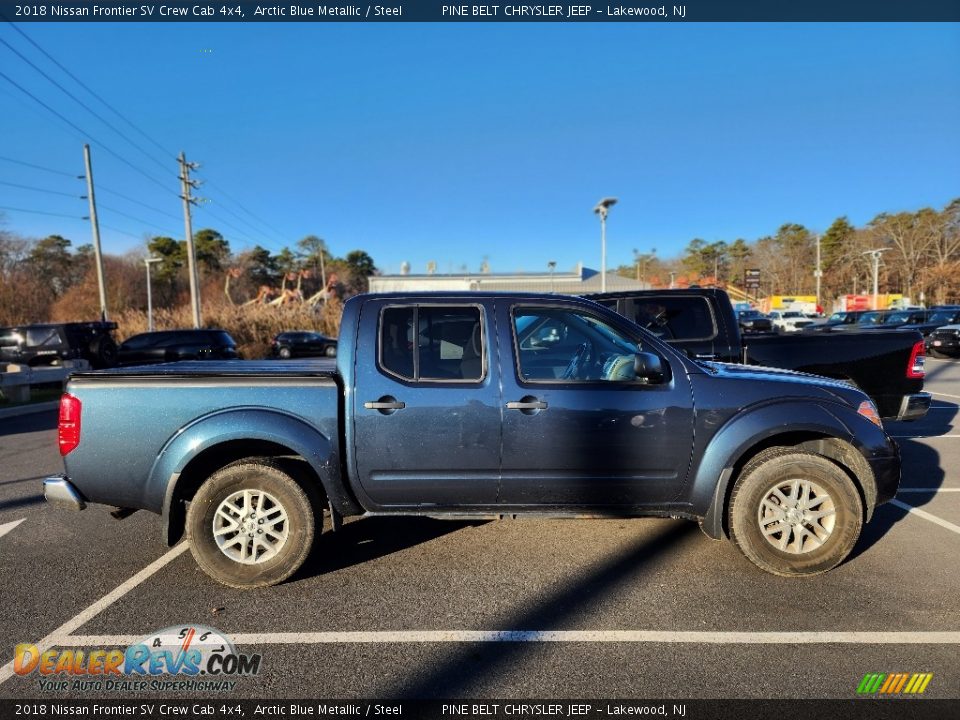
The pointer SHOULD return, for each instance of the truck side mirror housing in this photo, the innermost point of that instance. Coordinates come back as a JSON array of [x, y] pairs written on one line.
[[649, 368]]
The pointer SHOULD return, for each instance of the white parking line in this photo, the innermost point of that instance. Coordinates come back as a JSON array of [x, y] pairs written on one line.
[[57, 636], [927, 490], [940, 394], [936, 637], [923, 437], [926, 516]]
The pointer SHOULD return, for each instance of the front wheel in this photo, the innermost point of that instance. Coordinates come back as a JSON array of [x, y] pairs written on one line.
[[794, 513], [251, 525]]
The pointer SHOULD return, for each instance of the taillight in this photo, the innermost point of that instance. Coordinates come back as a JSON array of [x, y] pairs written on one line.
[[915, 364], [68, 429]]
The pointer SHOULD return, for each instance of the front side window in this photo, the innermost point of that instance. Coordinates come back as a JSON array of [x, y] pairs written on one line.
[[669, 318], [560, 344], [432, 343]]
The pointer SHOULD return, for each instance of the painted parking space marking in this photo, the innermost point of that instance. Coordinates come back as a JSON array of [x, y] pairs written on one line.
[[54, 639], [940, 394], [927, 490], [926, 516], [923, 437], [934, 637], [7, 527]]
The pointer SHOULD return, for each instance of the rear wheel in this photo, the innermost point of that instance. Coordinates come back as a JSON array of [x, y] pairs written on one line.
[[794, 513], [251, 525], [103, 352], [284, 352]]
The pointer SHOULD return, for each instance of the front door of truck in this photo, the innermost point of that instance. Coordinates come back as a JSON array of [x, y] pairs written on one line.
[[579, 429], [426, 409]]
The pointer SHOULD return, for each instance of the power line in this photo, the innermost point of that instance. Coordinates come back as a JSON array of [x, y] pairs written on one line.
[[242, 207], [39, 167], [83, 132], [79, 101], [122, 232], [87, 88], [101, 188], [42, 190], [40, 212], [132, 217]]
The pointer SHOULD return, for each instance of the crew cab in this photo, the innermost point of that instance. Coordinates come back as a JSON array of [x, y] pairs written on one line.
[[476, 405], [888, 366]]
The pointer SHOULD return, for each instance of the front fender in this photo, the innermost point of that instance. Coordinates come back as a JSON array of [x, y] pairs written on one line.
[[796, 422], [230, 426]]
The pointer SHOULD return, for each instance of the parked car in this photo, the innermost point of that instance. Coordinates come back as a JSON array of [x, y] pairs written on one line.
[[935, 319], [173, 345], [504, 404], [303, 344], [754, 321], [52, 343], [944, 341], [843, 320], [790, 320]]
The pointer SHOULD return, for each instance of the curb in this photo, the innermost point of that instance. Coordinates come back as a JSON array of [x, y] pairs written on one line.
[[29, 409]]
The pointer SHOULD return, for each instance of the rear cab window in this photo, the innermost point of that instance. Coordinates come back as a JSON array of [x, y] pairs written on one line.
[[432, 343]]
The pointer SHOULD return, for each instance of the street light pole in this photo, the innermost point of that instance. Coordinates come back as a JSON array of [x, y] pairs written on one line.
[[601, 209], [552, 264], [875, 257], [148, 261]]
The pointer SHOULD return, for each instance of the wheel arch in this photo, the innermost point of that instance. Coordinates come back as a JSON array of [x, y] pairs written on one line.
[[719, 471], [222, 439]]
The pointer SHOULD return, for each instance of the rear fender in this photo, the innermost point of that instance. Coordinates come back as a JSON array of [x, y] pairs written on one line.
[[252, 428]]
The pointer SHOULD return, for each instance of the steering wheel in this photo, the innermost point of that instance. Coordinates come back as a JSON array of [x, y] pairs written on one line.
[[577, 362]]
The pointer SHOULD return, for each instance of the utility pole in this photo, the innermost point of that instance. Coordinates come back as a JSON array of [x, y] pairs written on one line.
[[98, 258], [186, 184]]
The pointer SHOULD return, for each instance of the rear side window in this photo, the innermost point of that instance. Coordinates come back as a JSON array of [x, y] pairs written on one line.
[[46, 337], [447, 345], [222, 338], [681, 318]]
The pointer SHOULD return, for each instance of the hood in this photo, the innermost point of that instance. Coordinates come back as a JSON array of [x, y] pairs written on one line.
[[830, 388]]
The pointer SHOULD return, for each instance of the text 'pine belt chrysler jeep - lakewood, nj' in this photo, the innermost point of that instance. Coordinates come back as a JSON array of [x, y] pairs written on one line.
[[482, 405]]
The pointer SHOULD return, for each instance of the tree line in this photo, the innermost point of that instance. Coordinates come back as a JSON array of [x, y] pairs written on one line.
[[920, 258], [52, 280]]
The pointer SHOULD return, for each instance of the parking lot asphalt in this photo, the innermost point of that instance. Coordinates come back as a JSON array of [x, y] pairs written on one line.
[[515, 608]]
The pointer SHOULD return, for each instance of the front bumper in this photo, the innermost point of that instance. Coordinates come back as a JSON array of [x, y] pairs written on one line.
[[60, 492], [914, 407]]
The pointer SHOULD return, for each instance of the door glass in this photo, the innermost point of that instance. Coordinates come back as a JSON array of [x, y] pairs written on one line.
[[448, 345], [557, 344]]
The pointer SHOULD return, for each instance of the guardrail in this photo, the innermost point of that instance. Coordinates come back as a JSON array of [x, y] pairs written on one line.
[[15, 380]]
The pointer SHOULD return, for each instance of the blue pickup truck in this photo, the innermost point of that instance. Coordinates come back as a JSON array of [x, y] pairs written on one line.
[[479, 405]]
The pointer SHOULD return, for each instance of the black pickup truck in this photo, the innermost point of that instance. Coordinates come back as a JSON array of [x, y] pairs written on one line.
[[886, 365]]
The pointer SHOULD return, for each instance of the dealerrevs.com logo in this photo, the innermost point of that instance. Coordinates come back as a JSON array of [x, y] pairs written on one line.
[[894, 683], [187, 658]]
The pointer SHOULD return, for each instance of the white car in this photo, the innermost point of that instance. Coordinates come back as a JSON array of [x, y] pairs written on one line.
[[790, 320]]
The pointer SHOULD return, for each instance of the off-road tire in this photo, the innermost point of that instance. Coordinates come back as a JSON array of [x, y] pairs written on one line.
[[267, 477], [777, 468]]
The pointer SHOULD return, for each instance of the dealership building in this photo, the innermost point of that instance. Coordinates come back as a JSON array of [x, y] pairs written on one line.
[[580, 281]]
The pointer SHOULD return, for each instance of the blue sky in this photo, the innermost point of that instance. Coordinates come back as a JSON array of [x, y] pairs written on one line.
[[459, 142]]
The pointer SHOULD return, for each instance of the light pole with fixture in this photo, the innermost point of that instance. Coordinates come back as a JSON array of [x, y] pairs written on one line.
[[875, 257], [552, 264], [148, 261], [601, 209]]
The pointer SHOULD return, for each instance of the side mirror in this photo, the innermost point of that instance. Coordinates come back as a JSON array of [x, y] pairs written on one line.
[[648, 368]]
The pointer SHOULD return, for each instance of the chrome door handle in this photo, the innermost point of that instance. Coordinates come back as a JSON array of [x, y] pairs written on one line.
[[395, 405], [520, 405]]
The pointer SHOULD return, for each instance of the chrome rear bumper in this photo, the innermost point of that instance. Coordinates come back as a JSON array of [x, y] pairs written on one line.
[[59, 491], [914, 407]]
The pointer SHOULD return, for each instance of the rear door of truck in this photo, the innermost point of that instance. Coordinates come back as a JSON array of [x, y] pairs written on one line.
[[426, 407]]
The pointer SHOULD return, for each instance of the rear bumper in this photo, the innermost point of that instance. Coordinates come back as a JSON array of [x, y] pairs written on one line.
[[914, 407], [60, 492]]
